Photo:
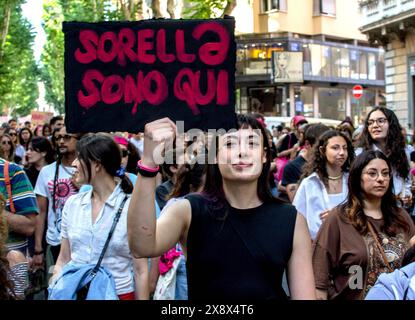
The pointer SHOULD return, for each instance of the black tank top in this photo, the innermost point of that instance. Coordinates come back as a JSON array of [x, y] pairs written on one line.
[[221, 267]]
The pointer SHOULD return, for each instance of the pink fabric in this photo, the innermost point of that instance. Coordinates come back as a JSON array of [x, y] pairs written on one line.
[[121, 140], [166, 260], [297, 119], [413, 171], [149, 169]]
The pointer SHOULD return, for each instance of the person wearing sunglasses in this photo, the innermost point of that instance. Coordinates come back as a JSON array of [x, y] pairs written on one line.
[[54, 186], [19, 149], [8, 149], [364, 236], [383, 132]]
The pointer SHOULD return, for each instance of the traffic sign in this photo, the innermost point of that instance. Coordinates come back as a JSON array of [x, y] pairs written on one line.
[[357, 91]]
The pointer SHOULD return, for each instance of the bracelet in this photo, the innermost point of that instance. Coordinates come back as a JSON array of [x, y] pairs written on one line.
[[145, 173], [145, 168], [37, 253]]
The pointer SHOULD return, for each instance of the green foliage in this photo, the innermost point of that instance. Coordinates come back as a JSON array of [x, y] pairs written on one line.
[[52, 59], [204, 9], [18, 69]]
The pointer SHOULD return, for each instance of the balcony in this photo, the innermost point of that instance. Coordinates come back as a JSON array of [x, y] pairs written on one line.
[[378, 13]]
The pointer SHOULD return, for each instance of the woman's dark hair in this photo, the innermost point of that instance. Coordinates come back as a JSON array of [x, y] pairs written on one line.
[[352, 208], [42, 144], [102, 148], [318, 159], [6, 286], [46, 125], [395, 142], [133, 158], [10, 156], [213, 188], [25, 144], [189, 178]]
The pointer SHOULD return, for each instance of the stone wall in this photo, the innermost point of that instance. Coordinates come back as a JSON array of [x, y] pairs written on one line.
[[396, 76]]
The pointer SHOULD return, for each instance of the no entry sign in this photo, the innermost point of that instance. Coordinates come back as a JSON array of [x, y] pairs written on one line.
[[357, 91]]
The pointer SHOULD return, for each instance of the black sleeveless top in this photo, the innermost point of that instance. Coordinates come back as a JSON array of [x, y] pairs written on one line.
[[219, 264]]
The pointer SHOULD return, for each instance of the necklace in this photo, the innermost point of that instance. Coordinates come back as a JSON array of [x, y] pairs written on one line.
[[336, 178]]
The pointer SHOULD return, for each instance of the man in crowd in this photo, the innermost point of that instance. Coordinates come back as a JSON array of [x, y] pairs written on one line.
[[20, 213], [56, 123], [53, 187]]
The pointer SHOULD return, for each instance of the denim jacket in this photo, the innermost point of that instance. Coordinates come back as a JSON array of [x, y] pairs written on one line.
[[75, 276]]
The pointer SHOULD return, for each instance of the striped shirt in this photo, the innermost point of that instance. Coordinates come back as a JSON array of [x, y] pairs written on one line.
[[24, 200]]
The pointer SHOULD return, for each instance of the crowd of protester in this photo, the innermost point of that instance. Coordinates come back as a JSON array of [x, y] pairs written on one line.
[[314, 212]]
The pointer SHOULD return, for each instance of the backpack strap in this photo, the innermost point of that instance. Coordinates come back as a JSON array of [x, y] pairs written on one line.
[[8, 186]]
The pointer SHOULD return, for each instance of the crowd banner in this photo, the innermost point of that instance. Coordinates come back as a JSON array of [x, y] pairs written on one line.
[[40, 117], [121, 75]]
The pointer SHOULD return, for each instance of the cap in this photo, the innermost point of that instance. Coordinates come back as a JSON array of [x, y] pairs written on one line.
[[297, 119], [121, 140]]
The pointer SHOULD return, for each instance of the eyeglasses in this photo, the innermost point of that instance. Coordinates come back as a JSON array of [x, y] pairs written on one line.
[[65, 137], [380, 122], [125, 152], [6, 142], [374, 175], [12, 134]]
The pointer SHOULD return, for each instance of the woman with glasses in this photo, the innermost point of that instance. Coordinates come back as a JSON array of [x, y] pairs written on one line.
[[19, 149], [383, 132], [324, 183], [8, 149], [363, 237]]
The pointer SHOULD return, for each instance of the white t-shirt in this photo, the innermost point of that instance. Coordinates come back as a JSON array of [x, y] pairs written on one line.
[[64, 189], [311, 199], [87, 240]]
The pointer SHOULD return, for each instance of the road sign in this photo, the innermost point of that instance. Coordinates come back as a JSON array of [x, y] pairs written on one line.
[[357, 91]]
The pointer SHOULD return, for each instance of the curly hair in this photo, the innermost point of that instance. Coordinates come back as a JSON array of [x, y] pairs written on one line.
[[318, 159], [6, 286], [352, 209], [395, 142]]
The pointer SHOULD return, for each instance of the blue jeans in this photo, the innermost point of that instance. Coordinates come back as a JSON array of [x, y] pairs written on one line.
[[181, 280]]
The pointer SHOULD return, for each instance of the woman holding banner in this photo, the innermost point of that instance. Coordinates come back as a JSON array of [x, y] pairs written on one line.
[[234, 219]]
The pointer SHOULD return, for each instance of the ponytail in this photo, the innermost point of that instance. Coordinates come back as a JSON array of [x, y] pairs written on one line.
[[126, 184]]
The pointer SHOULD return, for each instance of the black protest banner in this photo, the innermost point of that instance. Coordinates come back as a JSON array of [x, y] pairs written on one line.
[[121, 75]]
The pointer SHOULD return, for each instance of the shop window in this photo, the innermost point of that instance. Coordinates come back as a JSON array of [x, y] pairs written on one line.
[[361, 107], [304, 101], [315, 59], [371, 58], [354, 64], [363, 65], [332, 103]]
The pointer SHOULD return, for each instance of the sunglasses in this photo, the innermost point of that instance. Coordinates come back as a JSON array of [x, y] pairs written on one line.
[[125, 153], [6, 142], [12, 134], [65, 137]]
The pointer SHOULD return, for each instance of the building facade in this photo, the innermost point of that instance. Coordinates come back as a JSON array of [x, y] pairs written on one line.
[[304, 57], [391, 24]]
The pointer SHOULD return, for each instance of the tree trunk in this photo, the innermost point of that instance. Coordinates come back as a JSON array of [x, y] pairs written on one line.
[[230, 5], [155, 6], [170, 8], [5, 27], [124, 8]]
